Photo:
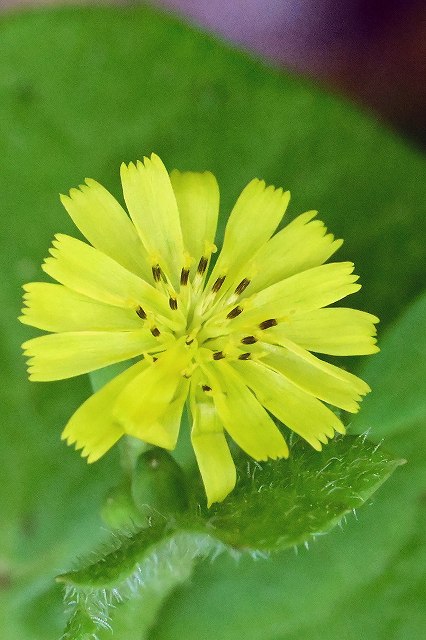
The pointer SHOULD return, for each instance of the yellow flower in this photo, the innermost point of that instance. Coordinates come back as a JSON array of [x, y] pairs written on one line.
[[234, 341]]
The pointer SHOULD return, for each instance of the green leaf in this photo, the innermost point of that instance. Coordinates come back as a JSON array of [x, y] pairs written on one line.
[[276, 505], [397, 374], [80, 91], [144, 568], [279, 504]]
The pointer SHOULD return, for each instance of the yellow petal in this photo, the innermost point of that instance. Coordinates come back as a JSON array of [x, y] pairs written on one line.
[[53, 307], [152, 206], [92, 427], [144, 403], [302, 413], [318, 378], [211, 449], [337, 331], [301, 245], [197, 196], [91, 273], [242, 415], [302, 292], [164, 433], [64, 355], [106, 225], [254, 218]]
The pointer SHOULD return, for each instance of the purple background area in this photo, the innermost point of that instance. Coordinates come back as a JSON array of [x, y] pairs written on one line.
[[370, 50]]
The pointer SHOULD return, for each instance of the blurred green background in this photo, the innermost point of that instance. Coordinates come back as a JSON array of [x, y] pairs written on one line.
[[81, 91]]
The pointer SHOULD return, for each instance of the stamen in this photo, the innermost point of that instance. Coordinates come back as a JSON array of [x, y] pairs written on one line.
[[187, 373], [218, 355], [202, 265], [243, 285], [155, 332], [244, 356], [156, 272], [249, 340], [173, 303], [150, 358], [268, 323], [206, 387], [184, 276], [234, 313], [141, 313], [217, 285]]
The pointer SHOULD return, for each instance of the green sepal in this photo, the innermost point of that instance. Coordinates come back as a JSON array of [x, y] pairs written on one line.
[[119, 510], [158, 484]]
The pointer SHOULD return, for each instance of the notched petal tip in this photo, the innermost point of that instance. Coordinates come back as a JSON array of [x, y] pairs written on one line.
[[61, 237], [75, 192], [86, 451], [284, 452], [65, 435], [126, 169], [26, 346], [316, 444], [33, 377], [322, 438], [91, 183], [80, 447], [340, 428], [155, 159], [337, 243], [91, 455]]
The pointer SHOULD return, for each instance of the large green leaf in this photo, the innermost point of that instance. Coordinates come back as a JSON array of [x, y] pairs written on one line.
[[397, 374], [82, 90]]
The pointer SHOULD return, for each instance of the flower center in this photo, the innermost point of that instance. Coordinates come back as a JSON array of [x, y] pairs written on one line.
[[206, 311]]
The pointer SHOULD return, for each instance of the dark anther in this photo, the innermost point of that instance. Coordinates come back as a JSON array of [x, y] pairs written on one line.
[[243, 285], [206, 387], [173, 303], [244, 356], [217, 285], [218, 355], [184, 275], [154, 359], [155, 332], [156, 272], [268, 323], [202, 265], [189, 341], [234, 313], [141, 313], [249, 340]]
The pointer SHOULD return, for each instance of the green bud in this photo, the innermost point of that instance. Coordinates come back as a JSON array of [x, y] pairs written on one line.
[[119, 509], [158, 483]]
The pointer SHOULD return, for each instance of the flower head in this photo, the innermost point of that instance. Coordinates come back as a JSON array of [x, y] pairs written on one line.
[[234, 340]]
